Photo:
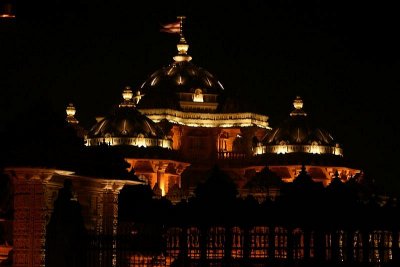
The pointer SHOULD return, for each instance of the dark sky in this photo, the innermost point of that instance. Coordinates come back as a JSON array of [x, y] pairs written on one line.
[[342, 57]]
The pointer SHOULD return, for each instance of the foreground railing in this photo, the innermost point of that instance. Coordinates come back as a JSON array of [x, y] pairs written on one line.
[[250, 246]]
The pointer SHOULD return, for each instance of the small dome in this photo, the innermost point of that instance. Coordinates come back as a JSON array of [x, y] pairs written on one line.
[[299, 134], [181, 81], [125, 122], [127, 126]]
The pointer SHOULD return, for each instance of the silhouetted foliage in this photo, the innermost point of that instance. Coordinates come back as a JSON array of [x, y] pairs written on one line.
[[304, 204], [218, 188], [66, 235], [136, 203], [105, 162], [43, 140], [46, 140], [214, 199], [264, 179]]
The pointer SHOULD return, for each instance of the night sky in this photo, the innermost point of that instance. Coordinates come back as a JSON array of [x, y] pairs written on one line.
[[341, 57]]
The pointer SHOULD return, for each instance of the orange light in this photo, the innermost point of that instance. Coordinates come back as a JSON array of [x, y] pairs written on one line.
[[7, 12], [7, 16]]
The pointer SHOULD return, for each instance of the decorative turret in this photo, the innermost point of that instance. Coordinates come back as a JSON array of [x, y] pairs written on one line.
[[298, 105], [70, 110], [299, 134], [127, 126]]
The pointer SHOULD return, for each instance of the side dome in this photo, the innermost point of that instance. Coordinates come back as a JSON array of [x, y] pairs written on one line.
[[181, 85], [127, 126], [299, 134]]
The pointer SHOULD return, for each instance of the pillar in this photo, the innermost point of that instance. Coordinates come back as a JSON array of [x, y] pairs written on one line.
[[33, 203], [101, 217], [160, 167]]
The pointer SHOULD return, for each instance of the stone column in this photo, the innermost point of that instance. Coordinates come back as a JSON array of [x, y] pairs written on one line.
[[179, 171], [160, 167], [33, 203], [101, 216], [110, 218]]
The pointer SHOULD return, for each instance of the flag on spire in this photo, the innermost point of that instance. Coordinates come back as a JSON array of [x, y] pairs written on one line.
[[174, 27]]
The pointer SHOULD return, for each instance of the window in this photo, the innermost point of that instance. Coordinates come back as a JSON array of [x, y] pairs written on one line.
[[198, 96]]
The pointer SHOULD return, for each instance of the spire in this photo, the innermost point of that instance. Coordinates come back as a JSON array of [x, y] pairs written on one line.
[[298, 105], [182, 46], [70, 110]]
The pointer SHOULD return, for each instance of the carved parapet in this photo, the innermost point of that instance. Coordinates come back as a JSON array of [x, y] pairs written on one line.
[[29, 174], [244, 119]]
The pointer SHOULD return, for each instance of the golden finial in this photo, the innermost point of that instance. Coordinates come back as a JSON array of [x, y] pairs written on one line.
[[298, 105], [70, 110], [182, 46], [181, 18], [127, 95]]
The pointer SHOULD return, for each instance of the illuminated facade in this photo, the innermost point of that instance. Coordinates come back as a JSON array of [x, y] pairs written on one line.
[[297, 135], [188, 102], [127, 127], [181, 110], [298, 141]]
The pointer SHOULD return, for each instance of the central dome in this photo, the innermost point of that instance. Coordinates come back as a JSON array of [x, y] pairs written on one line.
[[181, 85]]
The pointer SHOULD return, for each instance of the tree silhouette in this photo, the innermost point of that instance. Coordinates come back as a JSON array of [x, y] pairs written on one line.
[[218, 188], [66, 234], [215, 198]]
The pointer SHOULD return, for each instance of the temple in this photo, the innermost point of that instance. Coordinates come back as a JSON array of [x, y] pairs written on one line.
[[175, 131]]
